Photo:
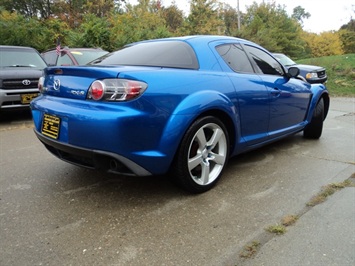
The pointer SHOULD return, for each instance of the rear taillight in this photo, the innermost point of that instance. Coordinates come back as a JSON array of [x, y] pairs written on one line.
[[97, 90], [40, 84], [116, 89]]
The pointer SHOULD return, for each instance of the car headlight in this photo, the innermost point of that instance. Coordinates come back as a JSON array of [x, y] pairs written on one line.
[[311, 75]]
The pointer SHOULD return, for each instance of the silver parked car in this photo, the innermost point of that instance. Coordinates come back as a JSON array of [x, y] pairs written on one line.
[[20, 69]]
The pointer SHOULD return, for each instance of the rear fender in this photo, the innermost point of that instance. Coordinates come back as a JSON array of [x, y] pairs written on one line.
[[189, 110]]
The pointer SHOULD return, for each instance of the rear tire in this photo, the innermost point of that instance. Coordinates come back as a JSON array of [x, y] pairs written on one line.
[[202, 155], [314, 129]]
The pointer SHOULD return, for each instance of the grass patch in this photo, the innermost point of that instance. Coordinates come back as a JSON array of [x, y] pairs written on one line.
[[250, 250], [277, 229], [340, 71], [327, 191], [289, 220]]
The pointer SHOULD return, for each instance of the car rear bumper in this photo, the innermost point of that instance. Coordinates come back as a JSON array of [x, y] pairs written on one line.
[[93, 159]]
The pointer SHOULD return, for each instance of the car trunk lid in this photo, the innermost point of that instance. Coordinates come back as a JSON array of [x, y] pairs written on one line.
[[74, 82]]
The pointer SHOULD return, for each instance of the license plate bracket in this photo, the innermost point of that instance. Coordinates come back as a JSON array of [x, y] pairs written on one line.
[[50, 126]]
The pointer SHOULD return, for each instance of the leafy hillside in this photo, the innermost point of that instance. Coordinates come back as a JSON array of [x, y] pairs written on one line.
[[340, 71]]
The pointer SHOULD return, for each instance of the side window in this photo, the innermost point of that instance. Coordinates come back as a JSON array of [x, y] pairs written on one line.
[[64, 60], [264, 62], [50, 58], [235, 57]]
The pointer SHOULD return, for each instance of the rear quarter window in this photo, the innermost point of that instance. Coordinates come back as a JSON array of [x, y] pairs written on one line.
[[235, 58], [174, 54]]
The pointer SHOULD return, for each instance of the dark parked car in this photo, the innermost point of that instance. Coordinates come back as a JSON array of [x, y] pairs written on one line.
[[20, 69], [312, 74], [72, 56], [177, 106]]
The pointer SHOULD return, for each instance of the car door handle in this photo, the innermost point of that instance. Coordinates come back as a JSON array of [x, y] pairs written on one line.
[[275, 92]]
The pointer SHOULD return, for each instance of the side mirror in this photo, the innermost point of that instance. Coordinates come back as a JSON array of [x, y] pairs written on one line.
[[293, 72]]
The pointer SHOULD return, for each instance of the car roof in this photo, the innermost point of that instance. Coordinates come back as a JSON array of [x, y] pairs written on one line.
[[16, 47], [66, 48], [81, 48], [196, 41], [198, 38]]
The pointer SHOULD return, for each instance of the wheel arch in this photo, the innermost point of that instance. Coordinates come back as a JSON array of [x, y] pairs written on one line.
[[179, 123], [326, 100], [180, 170], [224, 117], [319, 92]]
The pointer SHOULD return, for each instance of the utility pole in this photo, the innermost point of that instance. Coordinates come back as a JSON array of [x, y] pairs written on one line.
[[238, 15]]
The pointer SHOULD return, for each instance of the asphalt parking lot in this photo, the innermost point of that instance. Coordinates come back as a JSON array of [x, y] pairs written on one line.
[[54, 213]]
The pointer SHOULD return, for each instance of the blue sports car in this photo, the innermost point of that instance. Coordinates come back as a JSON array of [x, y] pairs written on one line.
[[176, 106]]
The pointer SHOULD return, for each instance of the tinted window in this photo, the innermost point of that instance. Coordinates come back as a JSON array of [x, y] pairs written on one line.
[[17, 57], [235, 57], [50, 58], [174, 54], [64, 60], [264, 62], [85, 56]]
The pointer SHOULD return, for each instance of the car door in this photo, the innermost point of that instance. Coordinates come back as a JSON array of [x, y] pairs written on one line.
[[252, 95], [289, 98]]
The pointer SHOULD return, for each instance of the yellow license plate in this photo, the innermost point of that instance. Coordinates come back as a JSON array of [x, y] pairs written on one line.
[[50, 126], [27, 98]]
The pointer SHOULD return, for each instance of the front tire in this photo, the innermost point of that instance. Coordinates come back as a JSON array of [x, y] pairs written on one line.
[[314, 129], [202, 155]]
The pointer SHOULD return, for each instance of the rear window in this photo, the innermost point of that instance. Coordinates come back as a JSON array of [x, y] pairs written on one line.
[[17, 57], [50, 58], [174, 54], [85, 56]]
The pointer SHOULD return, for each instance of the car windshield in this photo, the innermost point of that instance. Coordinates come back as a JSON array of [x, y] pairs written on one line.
[[85, 56], [12, 57], [174, 54], [286, 61]]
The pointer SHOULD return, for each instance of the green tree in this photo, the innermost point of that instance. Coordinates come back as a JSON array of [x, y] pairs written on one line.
[[347, 37], [99, 8], [15, 29], [299, 13], [204, 18], [138, 23], [173, 17], [95, 32], [324, 44], [52, 29], [29, 8], [39, 34], [46, 8], [269, 25], [230, 18]]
